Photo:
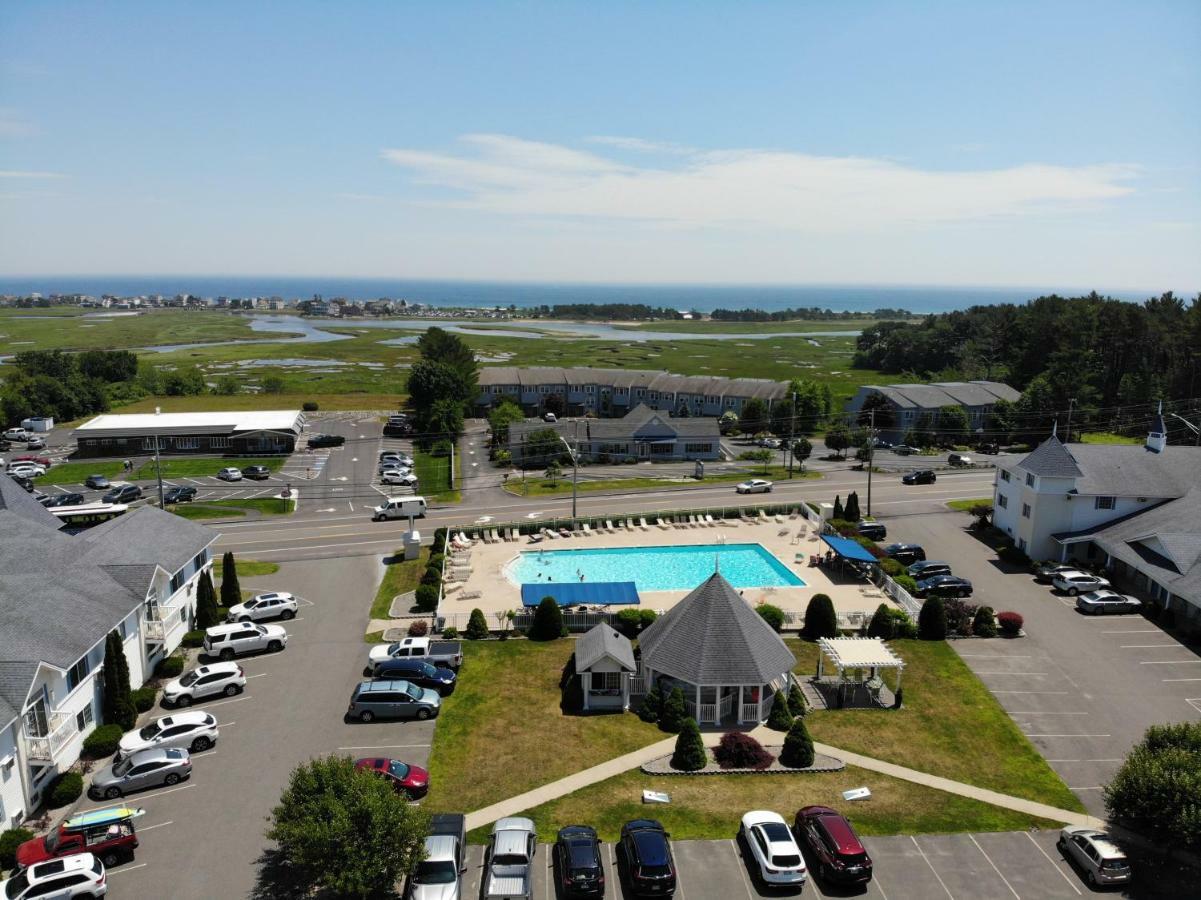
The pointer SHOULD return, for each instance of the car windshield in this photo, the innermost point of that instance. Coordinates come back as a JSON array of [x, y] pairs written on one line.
[[428, 671], [397, 768], [251, 603], [413, 691], [393, 649], [430, 872], [190, 678], [122, 767], [260, 629], [149, 731]]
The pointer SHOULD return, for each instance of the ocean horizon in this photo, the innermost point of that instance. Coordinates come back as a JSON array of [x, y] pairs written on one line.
[[488, 294]]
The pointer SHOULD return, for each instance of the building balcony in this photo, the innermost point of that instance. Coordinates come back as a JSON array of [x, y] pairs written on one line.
[[60, 729], [161, 623]]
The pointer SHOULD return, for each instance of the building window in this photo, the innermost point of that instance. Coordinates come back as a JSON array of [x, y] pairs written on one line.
[[1021, 543], [1002, 501], [1004, 474], [1025, 510], [177, 581], [1029, 480], [1103, 503], [698, 448], [662, 449], [218, 443], [606, 682], [200, 559], [187, 443], [78, 673], [83, 718]]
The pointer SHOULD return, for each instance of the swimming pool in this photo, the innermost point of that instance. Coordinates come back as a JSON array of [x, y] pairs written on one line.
[[655, 568]]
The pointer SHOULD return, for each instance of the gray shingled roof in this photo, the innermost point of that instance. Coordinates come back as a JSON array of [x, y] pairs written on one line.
[[714, 637], [625, 428], [16, 678], [1051, 459], [1135, 471], [146, 534], [601, 641], [15, 500], [937, 394], [667, 382]]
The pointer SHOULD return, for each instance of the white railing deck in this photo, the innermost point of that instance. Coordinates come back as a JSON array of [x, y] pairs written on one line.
[[750, 712], [160, 621], [61, 728]]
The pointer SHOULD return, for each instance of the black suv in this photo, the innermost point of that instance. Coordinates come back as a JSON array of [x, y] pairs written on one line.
[[179, 494], [928, 568], [906, 554], [257, 473], [417, 671], [577, 857], [874, 530], [125, 493], [922, 476], [326, 440], [650, 869]]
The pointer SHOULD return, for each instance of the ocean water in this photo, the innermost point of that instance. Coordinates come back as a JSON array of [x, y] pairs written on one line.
[[840, 298]]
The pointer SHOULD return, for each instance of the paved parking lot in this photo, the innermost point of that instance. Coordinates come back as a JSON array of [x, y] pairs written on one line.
[[1083, 688]]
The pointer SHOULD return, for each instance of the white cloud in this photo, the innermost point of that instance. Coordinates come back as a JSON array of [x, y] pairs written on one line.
[[16, 173], [13, 125], [751, 189], [640, 145]]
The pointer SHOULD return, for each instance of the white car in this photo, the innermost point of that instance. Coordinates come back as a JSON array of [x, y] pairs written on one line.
[[1097, 603], [272, 605], [393, 465], [755, 486], [398, 476], [194, 731], [1094, 852], [233, 639], [1073, 583], [777, 857], [26, 469], [77, 875], [17, 434], [215, 679], [230, 474], [396, 456]]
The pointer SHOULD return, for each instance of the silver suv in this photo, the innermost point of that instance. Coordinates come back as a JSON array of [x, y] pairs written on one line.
[[236, 638], [144, 769], [206, 681]]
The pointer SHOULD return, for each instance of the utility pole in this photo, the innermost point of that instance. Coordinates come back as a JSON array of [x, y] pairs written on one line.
[[1071, 406], [791, 433], [575, 469], [450, 476], [871, 455], [158, 469]]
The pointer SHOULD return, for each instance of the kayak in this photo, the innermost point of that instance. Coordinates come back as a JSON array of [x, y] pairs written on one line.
[[106, 816]]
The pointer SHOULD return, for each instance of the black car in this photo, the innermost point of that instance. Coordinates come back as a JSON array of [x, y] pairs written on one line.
[[992, 449], [905, 553], [577, 857], [63, 500], [326, 440], [5, 446], [96, 483], [180, 494], [944, 586], [419, 672], [646, 853], [922, 476], [125, 493], [904, 450], [874, 530], [256, 473], [928, 568]]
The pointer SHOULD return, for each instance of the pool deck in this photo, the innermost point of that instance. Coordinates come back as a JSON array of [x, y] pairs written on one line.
[[496, 593]]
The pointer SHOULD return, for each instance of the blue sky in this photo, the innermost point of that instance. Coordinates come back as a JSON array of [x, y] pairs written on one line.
[[1044, 144]]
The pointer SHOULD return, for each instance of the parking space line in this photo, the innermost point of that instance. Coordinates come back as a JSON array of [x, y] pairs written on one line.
[[1195, 704], [972, 838], [1071, 884], [1152, 647], [1171, 662], [259, 675], [141, 797], [1032, 674], [991, 691], [1180, 679], [194, 481], [387, 747], [108, 871], [223, 702], [741, 870], [142, 828], [931, 865]]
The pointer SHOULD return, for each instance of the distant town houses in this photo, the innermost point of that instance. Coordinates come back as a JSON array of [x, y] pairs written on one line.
[[642, 434], [907, 405], [612, 393]]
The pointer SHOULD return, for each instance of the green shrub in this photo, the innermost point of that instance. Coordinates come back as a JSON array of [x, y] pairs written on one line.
[[690, 753], [647, 617], [780, 717], [629, 622], [798, 747], [439, 546], [548, 621], [435, 561], [419, 628], [143, 698], [985, 623], [477, 626], [102, 741], [427, 597], [906, 583], [171, 667], [10, 840], [1156, 790], [891, 567], [932, 621], [193, 639], [67, 788], [902, 625], [796, 701], [652, 703], [431, 576], [450, 633], [820, 618], [772, 615], [673, 712], [310, 406], [882, 624]]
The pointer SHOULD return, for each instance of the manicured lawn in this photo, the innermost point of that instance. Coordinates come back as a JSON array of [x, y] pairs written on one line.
[[217, 509], [950, 726], [709, 808], [198, 467], [76, 472], [399, 577], [200, 511], [965, 505], [433, 476], [535, 485], [501, 732], [247, 568], [1108, 437]]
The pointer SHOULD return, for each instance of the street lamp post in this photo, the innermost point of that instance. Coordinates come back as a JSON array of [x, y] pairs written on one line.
[[575, 466]]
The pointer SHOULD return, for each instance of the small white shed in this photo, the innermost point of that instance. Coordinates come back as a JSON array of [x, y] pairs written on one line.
[[604, 662]]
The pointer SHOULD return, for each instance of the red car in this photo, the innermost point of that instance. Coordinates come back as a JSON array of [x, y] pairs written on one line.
[[839, 856], [412, 781], [29, 457]]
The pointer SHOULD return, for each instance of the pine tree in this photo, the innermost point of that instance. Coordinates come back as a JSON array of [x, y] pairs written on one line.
[[798, 746], [838, 511], [231, 591], [477, 626], [881, 625], [652, 703], [690, 755], [548, 621], [796, 701], [932, 621], [780, 718], [673, 713], [206, 602], [118, 705], [820, 619], [851, 513]]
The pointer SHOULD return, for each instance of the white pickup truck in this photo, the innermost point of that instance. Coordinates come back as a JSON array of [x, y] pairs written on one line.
[[509, 861], [447, 654]]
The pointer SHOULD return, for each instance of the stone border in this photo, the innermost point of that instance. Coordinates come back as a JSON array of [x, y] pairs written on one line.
[[821, 763]]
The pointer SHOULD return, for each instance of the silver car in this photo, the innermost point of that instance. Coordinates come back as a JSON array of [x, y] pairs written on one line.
[[1095, 853], [1098, 603], [144, 769]]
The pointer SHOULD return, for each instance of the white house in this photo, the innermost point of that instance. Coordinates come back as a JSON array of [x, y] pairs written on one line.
[[60, 596], [1129, 506]]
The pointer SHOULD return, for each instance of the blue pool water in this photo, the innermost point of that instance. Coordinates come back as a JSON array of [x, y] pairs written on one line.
[[655, 568]]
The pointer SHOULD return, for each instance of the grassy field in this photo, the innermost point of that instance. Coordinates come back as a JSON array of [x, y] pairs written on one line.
[[698, 327], [709, 808], [433, 476], [199, 467], [247, 568], [400, 576], [76, 472], [965, 505], [950, 726], [220, 509], [1108, 437], [502, 733], [540, 487]]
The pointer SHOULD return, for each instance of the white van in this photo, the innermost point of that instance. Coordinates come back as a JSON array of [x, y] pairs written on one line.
[[400, 508], [549, 417]]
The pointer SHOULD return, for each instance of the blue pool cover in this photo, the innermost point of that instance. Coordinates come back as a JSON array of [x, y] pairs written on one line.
[[600, 593], [848, 548]]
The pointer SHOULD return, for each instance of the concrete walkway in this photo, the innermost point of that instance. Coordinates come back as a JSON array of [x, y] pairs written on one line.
[[556, 789]]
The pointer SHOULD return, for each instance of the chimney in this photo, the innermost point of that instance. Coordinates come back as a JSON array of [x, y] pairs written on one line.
[[1157, 438]]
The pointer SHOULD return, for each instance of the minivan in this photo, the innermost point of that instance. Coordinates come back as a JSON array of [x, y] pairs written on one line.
[[400, 508], [373, 700]]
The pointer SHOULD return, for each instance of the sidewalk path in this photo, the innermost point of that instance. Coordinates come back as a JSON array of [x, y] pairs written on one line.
[[764, 735]]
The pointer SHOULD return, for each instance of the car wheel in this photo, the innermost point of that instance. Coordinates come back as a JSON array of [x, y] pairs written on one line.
[[184, 700], [110, 858], [275, 647], [1072, 592], [201, 744], [172, 778], [1092, 879], [366, 716], [243, 618], [287, 614], [112, 793], [227, 654], [230, 690], [423, 714]]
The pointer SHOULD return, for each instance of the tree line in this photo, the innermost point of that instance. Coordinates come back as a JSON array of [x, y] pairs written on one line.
[[62, 385], [810, 313]]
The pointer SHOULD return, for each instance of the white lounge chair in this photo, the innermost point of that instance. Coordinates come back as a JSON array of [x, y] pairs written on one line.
[[587, 530], [451, 588], [710, 521], [794, 513], [780, 519], [763, 516], [622, 524], [630, 526], [496, 538], [681, 522], [642, 524], [464, 539], [659, 521], [694, 521], [609, 526], [549, 535]]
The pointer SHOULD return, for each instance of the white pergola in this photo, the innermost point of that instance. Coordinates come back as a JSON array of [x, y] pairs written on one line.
[[858, 653]]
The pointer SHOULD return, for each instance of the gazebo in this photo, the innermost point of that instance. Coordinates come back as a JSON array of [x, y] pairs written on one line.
[[846, 653], [604, 662], [721, 653]]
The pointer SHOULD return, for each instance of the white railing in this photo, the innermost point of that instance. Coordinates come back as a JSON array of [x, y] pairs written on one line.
[[750, 712], [637, 685], [60, 729], [902, 597], [690, 707], [160, 621], [708, 712], [725, 705]]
